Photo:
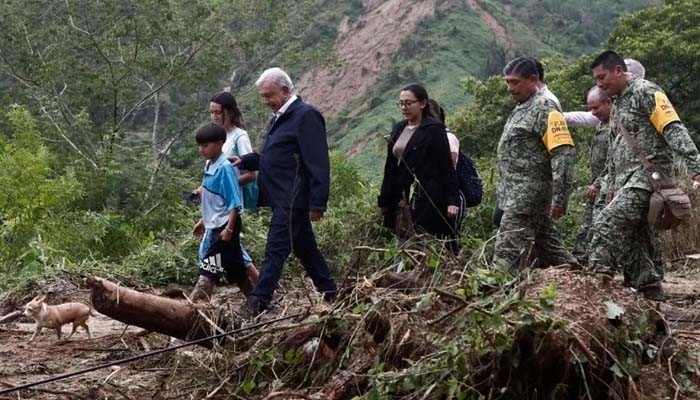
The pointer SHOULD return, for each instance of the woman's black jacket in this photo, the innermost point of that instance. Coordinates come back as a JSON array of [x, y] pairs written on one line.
[[427, 159]]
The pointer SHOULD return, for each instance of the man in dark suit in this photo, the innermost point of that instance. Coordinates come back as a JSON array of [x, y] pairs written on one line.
[[293, 177]]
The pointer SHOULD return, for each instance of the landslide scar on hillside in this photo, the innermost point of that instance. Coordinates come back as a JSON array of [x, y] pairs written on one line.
[[364, 48], [491, 22]]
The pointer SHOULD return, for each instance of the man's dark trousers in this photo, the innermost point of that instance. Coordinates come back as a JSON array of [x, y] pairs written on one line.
[[290, 230]]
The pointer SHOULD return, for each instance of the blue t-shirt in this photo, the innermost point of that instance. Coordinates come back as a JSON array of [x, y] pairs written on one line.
[[220, 192]]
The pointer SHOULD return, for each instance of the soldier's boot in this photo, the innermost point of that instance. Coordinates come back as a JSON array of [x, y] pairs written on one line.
[[203, 290], [653, 292], [607, 274]]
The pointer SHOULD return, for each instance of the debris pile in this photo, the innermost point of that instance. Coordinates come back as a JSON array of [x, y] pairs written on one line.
[[441, 328]]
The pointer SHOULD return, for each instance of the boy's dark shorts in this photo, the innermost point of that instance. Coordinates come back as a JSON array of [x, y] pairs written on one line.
[[224, 258]]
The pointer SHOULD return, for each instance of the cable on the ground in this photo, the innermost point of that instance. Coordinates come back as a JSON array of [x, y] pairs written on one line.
[[140, 356]]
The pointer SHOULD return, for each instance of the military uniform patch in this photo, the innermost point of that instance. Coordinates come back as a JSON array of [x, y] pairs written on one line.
[[664, 113], [534, 167], [557, 132]]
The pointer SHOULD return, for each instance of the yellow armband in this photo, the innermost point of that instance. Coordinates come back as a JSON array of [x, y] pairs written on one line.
[[664, 113], [557, 132]]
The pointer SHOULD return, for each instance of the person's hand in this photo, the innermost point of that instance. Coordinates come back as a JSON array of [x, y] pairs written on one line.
[[316, 215], [235, 160], [452, 211], [197, 191], [226, 235], [198, 229], [593, 191], [609, 196], [558, 212]]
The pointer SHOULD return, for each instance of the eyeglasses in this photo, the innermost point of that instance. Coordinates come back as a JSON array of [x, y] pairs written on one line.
[[405, 103]]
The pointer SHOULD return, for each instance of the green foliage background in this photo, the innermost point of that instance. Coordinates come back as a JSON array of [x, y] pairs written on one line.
[[100, 99], [96, 128], [455, 43]]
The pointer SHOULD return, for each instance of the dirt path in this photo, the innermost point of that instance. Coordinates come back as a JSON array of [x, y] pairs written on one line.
[[153, 378], [25, 362], [149, 378], [364, 48]]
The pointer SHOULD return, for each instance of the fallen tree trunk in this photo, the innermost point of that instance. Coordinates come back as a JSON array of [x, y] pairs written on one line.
[[10, 317], [158, 314]]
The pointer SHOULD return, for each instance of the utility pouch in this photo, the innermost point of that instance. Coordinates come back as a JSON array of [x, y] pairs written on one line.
[[668, 208]]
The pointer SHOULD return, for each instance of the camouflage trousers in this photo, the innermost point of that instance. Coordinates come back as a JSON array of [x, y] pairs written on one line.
[[526, 240], [584, 235], [623, 240]]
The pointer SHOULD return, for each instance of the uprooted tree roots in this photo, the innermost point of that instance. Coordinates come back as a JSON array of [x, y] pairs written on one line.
[[442, 328], [445, 330], [478, 333]]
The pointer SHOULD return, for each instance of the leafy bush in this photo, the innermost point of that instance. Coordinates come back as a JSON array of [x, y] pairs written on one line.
[[34, 196]]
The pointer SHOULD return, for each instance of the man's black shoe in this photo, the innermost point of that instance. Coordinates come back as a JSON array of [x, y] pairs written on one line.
[[253, 307], [330, 296]]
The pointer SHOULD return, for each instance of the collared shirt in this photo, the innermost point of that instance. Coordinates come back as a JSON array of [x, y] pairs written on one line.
[[286, 105], [220, 192], [575, 119], [600, 146]]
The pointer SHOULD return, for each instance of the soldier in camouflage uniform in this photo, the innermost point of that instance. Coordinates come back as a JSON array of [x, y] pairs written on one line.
[[622, 238], [536, 165], [600, 105]]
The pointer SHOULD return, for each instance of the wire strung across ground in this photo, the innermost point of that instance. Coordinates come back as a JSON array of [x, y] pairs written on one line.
[[140, 356]]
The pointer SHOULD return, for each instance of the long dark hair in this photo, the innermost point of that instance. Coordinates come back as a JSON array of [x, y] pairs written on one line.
[[421, 94], [228, 103], [436, 110]]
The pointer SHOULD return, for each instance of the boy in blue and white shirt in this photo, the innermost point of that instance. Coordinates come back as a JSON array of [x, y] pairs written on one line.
[[220, 225]]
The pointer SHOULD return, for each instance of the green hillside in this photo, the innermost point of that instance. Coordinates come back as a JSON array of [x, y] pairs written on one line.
[[456, 42]]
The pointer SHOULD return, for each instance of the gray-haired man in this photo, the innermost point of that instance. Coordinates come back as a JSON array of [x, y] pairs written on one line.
[[293, 176]]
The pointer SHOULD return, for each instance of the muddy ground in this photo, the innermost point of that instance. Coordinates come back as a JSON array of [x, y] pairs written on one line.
[[172, 375], [46, 357]]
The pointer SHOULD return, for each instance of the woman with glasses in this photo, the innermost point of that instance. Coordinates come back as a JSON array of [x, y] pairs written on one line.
[[419, 178]]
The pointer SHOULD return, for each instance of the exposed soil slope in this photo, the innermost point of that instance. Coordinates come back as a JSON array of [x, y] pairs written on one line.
[[364, 48], [491, 22]]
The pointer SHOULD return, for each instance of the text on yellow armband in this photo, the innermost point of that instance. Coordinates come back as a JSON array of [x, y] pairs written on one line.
[[664, 113], [557, 132]]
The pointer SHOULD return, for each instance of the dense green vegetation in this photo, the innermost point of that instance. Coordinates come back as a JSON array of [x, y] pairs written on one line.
[[99, 147], [455, 42], [100, 100]]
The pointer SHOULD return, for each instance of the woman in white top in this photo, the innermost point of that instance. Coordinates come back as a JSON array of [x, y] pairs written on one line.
[[223, 110]]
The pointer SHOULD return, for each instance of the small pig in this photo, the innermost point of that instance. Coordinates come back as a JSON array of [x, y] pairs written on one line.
[[58, 315]]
